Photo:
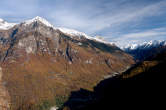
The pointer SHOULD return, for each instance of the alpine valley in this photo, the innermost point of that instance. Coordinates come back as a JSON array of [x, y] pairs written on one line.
[[40, 64], [43, 67]]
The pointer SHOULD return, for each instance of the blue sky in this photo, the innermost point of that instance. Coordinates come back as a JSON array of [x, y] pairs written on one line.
[[121, 21]]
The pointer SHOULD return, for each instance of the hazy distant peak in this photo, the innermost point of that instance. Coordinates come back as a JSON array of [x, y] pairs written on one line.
[[5, 25]]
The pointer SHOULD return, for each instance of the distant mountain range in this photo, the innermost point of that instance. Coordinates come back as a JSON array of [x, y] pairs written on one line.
[[147, 49], [145, 45]]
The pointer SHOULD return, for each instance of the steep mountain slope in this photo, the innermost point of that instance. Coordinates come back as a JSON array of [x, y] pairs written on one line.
[[140, 87], [4, 95], [146, 50], [40, 62]]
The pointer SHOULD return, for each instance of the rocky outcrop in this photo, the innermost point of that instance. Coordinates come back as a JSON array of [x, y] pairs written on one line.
[[4, 95]]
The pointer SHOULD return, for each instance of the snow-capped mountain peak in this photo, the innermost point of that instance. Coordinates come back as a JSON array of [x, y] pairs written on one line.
[[71, 32], [154, 43], [5, 25], [131, 46], [40, 19], [1, 20], [145, 45]]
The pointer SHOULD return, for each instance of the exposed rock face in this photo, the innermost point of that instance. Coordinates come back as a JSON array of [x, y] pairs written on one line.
[[40, 62], [4, 96], [37, 38]]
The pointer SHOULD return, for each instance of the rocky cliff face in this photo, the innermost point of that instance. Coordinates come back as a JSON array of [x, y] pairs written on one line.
[[40, 62], [4, 95]]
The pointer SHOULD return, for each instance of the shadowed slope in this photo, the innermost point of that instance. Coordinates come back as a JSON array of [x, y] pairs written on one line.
[[141, 86]]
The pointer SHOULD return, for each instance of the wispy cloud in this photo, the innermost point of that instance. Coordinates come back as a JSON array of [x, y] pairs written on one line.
[[107, 18], [149, 33], [138, 37], [99, 19]]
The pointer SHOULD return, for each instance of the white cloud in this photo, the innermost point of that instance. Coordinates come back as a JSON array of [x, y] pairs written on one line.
[[150, 33], [108, 18], [138, 37], [100, 18], [86, 16]]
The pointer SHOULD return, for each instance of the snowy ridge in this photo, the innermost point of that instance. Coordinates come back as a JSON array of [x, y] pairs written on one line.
[[5, 25], [103, 41], [145, 45], [42, 20], [71, 32], [131, 46]]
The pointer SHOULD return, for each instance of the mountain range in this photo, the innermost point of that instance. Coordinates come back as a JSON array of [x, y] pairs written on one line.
[[40, 62], [146, 50], [43, 67]]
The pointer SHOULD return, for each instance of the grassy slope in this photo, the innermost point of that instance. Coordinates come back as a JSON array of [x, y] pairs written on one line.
[[37, 78], [141, 86]]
